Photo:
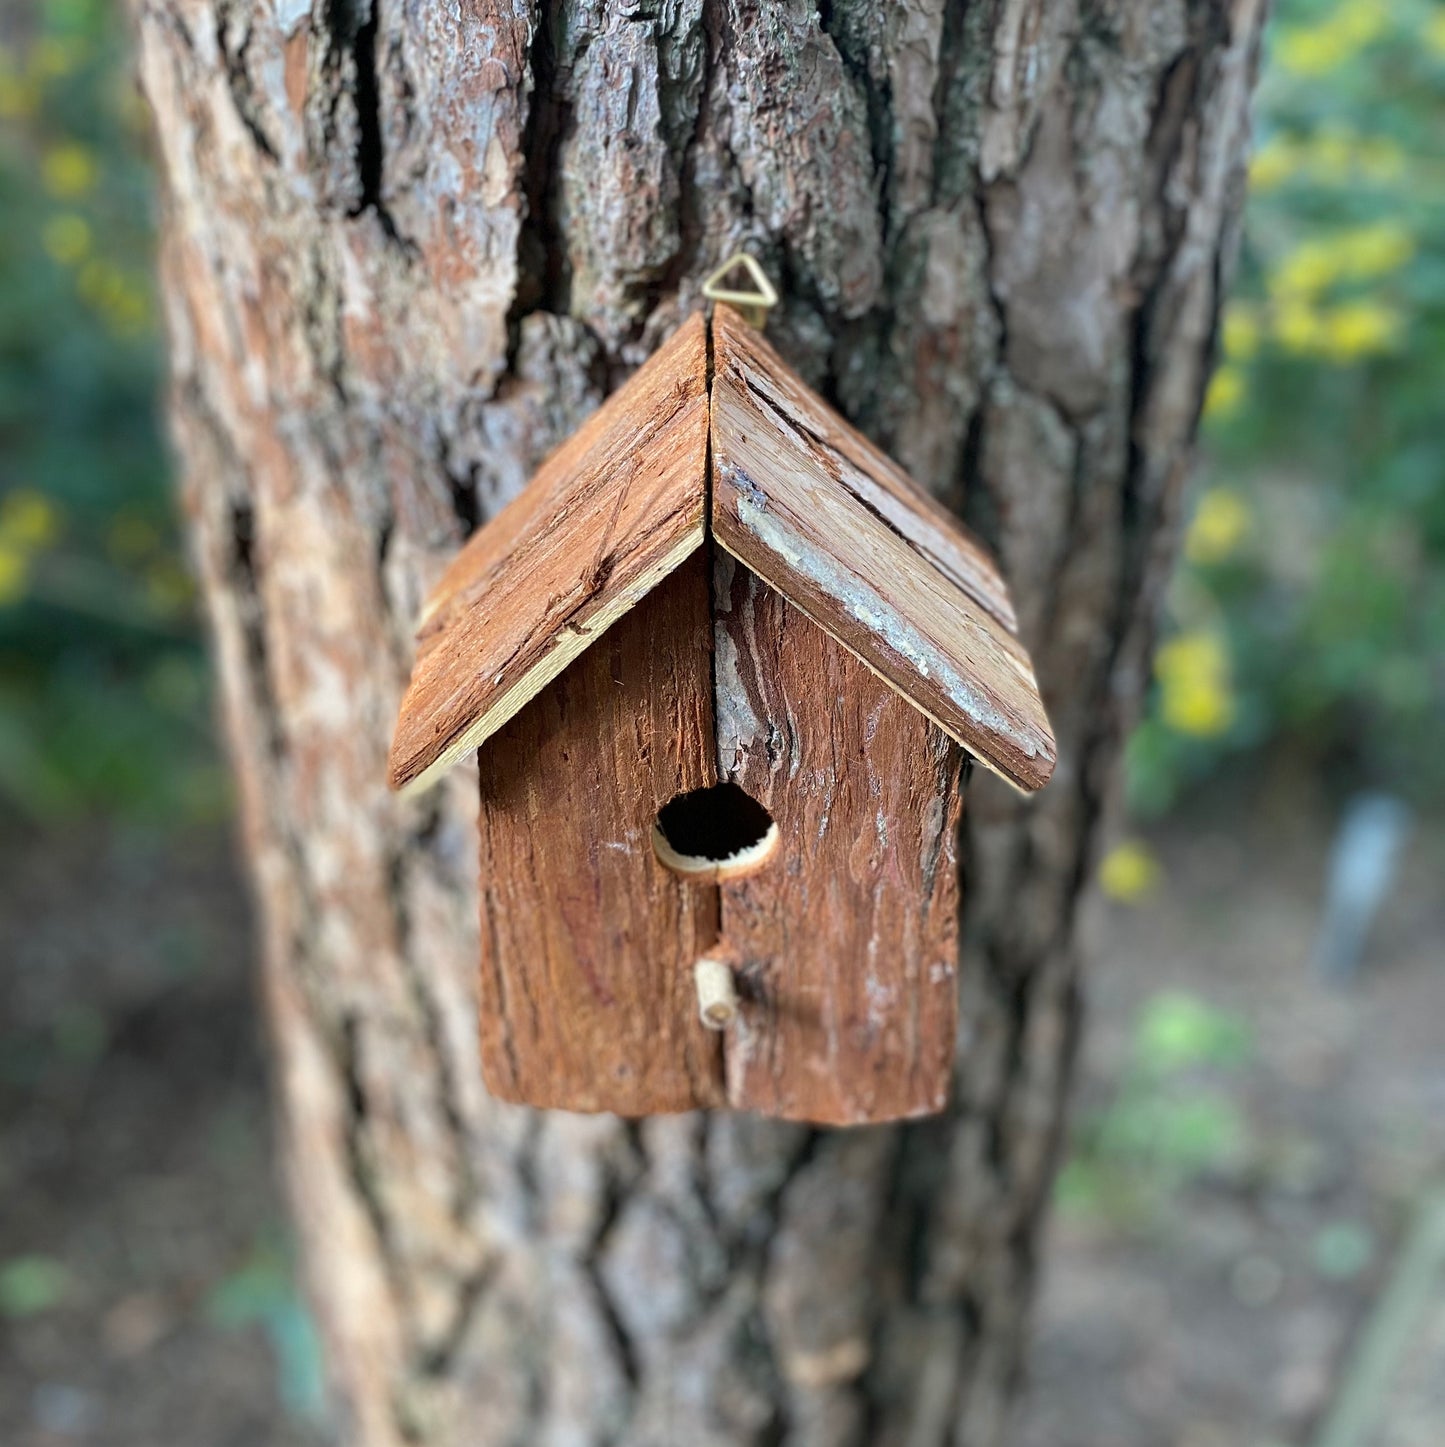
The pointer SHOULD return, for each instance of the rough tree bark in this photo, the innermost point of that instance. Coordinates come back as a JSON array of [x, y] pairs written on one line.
[[407, 248]]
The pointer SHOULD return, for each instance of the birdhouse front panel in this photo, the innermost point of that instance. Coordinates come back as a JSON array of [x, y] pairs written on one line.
[[846, 943], [723, 663], [588, 943]]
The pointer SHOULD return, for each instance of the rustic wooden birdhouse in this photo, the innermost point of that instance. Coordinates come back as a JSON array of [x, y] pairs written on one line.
[[722, 663]]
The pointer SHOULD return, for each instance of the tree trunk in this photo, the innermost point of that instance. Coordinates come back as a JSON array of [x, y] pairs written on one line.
[[407, 249]]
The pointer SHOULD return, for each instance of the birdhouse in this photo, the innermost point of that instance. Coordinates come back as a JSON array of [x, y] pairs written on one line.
[[723, 666]]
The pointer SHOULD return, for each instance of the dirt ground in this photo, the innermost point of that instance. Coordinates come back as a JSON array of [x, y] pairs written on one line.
[[143, 1286], [1228, 1309], [1234, 1216]]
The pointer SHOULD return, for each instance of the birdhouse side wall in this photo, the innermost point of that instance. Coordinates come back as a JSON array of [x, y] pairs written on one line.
[[587, 943], [847, 941]]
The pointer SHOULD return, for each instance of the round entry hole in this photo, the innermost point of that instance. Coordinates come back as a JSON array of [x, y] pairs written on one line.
[[716, 833]]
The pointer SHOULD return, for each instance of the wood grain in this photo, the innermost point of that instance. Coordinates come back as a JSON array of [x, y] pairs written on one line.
[[846, 941], [869, 473], [588, 943], [607, 517], [841, 544]]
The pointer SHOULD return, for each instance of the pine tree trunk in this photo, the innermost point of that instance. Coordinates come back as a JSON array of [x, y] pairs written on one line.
[[409, 247]]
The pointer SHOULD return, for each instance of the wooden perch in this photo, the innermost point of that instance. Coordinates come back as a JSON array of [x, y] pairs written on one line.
[[717, 993]]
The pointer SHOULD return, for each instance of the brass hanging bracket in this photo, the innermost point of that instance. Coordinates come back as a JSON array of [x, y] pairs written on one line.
[[755, 304]]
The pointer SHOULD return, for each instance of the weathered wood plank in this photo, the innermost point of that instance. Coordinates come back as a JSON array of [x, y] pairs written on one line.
[[588, 943], [780, 506], [846, 941], [865, 470], [608, 515]]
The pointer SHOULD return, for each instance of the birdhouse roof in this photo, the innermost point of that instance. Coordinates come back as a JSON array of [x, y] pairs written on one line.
[[789, 489]]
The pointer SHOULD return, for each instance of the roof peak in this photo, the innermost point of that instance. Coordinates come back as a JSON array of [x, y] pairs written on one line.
[[797, 495]]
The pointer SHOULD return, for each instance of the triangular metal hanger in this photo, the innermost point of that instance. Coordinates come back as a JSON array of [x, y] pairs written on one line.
[[755, 304]]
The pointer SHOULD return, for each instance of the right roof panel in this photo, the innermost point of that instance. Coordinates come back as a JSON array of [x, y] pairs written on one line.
[[839, 530]]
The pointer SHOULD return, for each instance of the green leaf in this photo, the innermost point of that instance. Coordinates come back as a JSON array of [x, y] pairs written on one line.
[[30, 1285]]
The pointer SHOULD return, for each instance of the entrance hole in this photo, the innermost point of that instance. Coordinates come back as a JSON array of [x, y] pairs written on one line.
[[716, 833]]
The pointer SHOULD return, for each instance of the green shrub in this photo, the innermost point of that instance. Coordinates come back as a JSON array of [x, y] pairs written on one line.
[[1310, 605]]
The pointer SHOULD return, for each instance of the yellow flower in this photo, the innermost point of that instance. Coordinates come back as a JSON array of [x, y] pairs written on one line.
[[123, 304], [1380, 159], [54, 56], [1298, 328], [13, 569], [1316, 50], [1361, 21], [19, 95], [1225, 392], [1310, 52], [28, 519], [1435, 32], [1129, 871], [127, 311], [1200, 710], [1193, 655], [1193, 673], [1306, 271], [67, 238], [1331, 157], [1359, 254], [69, 170], [1240, 332], [1360, 329], [1220, 524], [1370, 251], [1274, 162]]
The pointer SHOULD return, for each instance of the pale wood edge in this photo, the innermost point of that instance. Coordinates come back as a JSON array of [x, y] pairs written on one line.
[[700, 869], [970, 747], [845, 1120], [567, 647]]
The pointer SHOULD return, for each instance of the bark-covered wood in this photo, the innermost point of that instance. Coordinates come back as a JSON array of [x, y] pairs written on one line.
[[844, 939], [796, 493], [849, 547], [846, 944], [409, 248], [752, 379], [610, 514], [588, 943]]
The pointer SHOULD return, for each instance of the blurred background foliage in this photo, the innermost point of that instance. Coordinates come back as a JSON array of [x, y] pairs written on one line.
[[102, 674], [1308, 614], [1306, 622]]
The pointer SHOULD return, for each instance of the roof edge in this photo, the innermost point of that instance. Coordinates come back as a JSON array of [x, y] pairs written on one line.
[[1047, 756], [566, 649], [609, 513]]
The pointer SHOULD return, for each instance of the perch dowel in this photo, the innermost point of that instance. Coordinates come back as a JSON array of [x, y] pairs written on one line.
[[717, 993]]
